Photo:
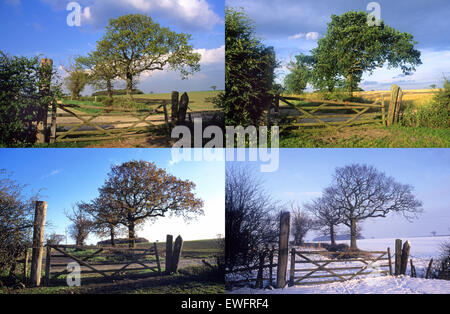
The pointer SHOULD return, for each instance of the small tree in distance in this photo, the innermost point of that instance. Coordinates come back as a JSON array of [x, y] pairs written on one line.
[[81, 224], [327, 217], [301, 224]]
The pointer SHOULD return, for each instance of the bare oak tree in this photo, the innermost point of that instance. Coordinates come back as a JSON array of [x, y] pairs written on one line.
[[361, 192], [140, 191], [327, 217]]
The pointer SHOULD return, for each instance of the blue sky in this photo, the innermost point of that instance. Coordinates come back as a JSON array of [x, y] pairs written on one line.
[[31, 28], [68, 176], [304, 173], [293, 27]]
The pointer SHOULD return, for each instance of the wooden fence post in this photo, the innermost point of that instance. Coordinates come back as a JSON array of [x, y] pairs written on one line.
[[177, 248], [427, 274], [169, 240], [259, 278], [283, 249], [175, 104], [383, 111], [271, 253], [405, 256], [48, 262], [45, 79], [38, 242], [292, 271], [398, 256], [398, 105], [25, 266], [182, 108], [389, 260], [157, 257], [392, 105]]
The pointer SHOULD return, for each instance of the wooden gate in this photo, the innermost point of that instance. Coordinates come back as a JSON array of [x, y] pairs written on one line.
[[80, 123], [310, 267], [106, 261], [327, 113]]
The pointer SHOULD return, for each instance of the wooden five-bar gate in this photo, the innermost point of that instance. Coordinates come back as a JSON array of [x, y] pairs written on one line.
[[304, 112], [106, 261], [72, 122], [316, 267]]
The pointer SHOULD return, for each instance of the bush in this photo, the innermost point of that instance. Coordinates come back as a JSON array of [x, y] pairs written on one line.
[[20, 100], [442, 269], [433, 115]]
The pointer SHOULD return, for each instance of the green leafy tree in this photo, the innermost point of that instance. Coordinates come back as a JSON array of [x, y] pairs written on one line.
[[76, 79], [351, 47], [139, 44], [249, 71], [301, 73], [102, 67]]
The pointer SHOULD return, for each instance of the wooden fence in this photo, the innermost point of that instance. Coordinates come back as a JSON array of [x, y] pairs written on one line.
[[305, 112], [106, 261], [262, 271], [312, 270]]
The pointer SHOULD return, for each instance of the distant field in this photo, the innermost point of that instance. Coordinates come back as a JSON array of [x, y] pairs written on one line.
[[416, 97], [197, 100]]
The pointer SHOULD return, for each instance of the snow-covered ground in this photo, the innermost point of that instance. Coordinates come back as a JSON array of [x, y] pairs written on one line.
[[422, 250], [373, 285]]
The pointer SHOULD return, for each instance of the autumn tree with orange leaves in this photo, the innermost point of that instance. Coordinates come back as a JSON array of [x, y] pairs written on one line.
[[140, 191]]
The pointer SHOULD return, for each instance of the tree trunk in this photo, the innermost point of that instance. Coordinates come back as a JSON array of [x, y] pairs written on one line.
[[129, 86], [131, 235], [109, 89], [350, 85], [332, 235], [353, 235], [112, 234]]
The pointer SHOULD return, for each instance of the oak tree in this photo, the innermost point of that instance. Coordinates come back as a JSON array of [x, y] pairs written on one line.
[[140, 191], [139, 44], [361, 192]]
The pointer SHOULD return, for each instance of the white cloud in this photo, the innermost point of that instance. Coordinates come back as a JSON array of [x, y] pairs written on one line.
[[435, 65], [193, 13], [308, 36], [210, 56], [51, 174]]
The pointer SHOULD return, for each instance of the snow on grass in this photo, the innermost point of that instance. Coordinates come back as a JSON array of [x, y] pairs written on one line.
[[372, 285], [422, 250]]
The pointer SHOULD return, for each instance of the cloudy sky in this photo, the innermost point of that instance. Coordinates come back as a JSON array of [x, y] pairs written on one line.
[[65, 178], [294, 26], [304, 173], [31, 28]]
